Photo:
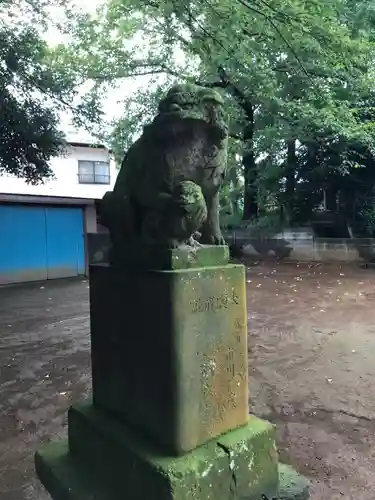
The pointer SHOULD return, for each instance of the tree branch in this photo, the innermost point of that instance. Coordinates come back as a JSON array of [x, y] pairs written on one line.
[[277, 29], [206, 32], [123, 75], [212, 85], [243, 100], [287, 17], [34, 84], [237, 137], [236, 92]]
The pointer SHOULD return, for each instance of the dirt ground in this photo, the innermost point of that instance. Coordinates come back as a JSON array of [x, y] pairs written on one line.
[[312, 347], [312, 338]]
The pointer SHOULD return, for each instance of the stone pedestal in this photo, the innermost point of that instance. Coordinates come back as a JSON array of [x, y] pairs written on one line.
[[169, 351], [105, 460], [169, 418], [130, 467]]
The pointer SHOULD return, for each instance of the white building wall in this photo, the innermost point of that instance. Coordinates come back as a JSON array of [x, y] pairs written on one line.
[[65, 184], [91, 224]]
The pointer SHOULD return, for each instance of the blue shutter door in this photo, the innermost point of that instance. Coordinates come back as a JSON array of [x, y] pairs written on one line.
[[38, 243], [65, 242], [22, 244]]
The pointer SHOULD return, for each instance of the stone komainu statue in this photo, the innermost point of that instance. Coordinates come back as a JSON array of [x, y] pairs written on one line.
[[167, 190]]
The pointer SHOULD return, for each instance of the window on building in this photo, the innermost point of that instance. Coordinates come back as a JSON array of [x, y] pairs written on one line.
[[93, 172]]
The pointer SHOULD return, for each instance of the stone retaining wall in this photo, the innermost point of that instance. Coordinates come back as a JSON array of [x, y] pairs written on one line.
[[302, 245]]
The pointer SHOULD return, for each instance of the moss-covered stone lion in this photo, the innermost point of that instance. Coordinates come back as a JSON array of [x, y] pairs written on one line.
[[167, 190]]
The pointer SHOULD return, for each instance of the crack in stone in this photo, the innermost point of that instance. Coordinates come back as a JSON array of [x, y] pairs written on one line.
[[233, 481]]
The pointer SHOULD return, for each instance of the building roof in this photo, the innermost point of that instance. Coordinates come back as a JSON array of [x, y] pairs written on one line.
[[86, 145], [45, 199]]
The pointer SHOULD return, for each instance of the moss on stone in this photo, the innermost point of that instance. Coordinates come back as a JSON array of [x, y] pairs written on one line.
[[172, 259], [292, 486], [108, 461], [70, 476], [167, 189], [190, 384], [188, 95], [64, 477], [128, 466]]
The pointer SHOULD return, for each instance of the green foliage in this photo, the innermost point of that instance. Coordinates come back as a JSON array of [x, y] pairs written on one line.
[[265, 223], [291, 72], [28, 128], [32, 92], [366, 217]]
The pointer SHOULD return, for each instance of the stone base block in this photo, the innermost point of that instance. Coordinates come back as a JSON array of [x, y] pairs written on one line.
[[292, 486], [106, 461], [67, 478], [169, 351]]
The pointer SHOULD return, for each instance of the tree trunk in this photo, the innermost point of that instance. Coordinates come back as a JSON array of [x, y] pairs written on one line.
[[250, 168], [331, 199], [291, 165], [250, 208]]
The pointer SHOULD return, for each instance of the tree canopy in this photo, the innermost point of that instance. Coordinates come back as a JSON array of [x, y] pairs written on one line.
[[297, 76], [32, 92]]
